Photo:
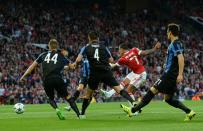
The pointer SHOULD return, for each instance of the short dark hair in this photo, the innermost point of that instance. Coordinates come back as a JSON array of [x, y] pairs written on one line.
[[174, 29], [124, 46], [93, 35]]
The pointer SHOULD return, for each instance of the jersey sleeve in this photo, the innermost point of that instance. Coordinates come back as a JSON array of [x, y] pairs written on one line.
[[108, 53], [177, 48], [66, 61], [121, 61], [40, 58], [137, 51], [83, 51]]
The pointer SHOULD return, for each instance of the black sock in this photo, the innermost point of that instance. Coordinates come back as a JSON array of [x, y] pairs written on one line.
[[76, 95], [73, 105], [145, 100], [178, 104], [85, 104], [53, 104], [124, 94]]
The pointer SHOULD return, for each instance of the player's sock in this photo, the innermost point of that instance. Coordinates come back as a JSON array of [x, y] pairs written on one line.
[[53, 104], [111, 92], [122, 85], [73, 105], [132, 96], [126, 96], [85, 104], [76, 95], [178, 104], [146, 99]]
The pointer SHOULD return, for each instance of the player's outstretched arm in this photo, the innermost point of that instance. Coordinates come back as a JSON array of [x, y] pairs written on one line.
[[29, 70], [147, 52], [77, 61]]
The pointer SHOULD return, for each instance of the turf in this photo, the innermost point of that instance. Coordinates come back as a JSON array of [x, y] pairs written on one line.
[[157, 116]]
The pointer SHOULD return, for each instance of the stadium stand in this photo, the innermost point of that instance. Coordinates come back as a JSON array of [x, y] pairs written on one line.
[[21, 25]]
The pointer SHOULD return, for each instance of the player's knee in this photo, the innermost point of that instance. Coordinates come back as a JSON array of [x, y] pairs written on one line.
[[130, 89], [117, 89], [126, 82], [154, 90]]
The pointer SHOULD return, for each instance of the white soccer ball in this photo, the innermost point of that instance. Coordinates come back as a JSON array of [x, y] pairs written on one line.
[[19, 108]]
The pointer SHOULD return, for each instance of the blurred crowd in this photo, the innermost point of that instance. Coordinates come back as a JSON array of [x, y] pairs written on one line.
[[21, 25]]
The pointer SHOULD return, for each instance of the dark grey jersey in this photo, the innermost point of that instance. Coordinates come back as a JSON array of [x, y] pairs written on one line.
[[52, 64], [97, 55]]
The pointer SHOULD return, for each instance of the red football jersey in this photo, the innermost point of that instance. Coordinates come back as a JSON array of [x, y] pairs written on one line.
[[132, 60]]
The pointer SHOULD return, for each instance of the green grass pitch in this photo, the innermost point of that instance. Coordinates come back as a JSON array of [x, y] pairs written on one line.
[[157, 116]]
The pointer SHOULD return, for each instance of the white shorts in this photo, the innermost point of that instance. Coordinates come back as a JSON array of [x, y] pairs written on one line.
[[137, 80]]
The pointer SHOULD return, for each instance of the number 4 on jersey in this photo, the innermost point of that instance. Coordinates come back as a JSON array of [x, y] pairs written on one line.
[[54, 58], [96, 54]]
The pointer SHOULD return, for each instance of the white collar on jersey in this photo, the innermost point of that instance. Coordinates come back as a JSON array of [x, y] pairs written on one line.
[[94, 45]]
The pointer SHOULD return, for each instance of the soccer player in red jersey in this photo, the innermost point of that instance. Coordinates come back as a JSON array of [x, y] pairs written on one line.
[[132, 58]]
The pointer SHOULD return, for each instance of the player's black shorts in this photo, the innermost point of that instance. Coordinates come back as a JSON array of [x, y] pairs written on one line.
[[166, 84], [105, 77], [55, 84], [83, 80]]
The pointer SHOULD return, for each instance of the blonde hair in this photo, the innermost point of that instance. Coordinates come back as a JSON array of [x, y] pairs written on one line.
[[53, 44]]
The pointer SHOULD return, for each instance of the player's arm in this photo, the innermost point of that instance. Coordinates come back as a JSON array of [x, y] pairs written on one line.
[[34, 64], [69, 66], [29, 70], [79, 57], [150, 51], [113, 65], [111, 60], [178, 52], [121, 61], [181, 64]]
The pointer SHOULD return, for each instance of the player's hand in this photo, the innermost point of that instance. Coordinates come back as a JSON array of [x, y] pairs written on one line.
[[72, 66], [179, 78], [157, 46]]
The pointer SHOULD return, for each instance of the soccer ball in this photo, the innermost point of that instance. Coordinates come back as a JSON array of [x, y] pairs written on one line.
[[18, 108]]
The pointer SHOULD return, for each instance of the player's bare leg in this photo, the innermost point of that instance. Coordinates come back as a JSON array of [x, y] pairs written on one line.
[[177, 104], [76, 95], [58, 111], [79, 89], [72, 104], [145, 100], [86, 101], [123, 93], [110, 93], [130, 90]]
